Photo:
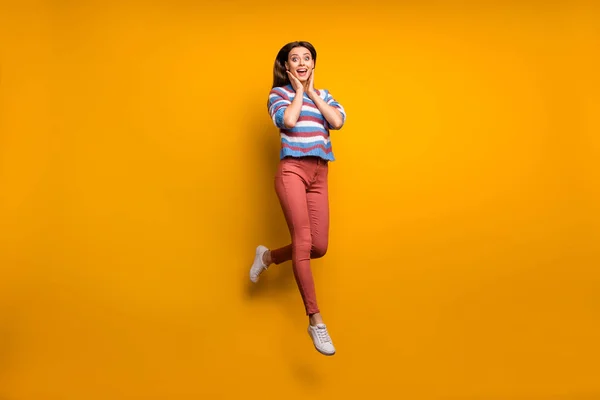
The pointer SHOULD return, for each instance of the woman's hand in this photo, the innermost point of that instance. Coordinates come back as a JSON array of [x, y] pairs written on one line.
[[296, 84], [311, 83], [331, 114], [292, 113]]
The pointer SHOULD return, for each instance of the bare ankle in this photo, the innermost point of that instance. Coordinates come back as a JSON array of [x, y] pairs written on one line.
[[266, 258], [315, 319]]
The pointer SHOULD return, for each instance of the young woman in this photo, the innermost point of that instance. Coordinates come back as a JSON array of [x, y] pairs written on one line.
[[304, 116]]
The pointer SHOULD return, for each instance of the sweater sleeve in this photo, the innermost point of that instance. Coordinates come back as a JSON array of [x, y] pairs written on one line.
[[332, 102], [278, 103]]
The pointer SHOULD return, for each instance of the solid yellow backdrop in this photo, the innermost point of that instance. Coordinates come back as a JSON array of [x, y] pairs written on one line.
[[136, 177]]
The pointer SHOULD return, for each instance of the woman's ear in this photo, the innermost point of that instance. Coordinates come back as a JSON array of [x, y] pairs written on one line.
[[286, 66]]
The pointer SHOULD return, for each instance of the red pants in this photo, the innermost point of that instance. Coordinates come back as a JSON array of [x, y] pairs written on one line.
[[301, 186]]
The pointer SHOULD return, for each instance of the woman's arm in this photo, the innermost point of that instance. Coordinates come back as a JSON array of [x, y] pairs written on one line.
[[292, 113], [331, 114]]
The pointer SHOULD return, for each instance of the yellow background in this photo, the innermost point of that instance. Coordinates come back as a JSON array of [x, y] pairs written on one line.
[[136, 167]]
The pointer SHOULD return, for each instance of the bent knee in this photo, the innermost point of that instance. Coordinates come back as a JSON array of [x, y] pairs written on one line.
[[319, 250]]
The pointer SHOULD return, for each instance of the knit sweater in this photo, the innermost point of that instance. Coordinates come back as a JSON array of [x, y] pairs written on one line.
[[310, 135]]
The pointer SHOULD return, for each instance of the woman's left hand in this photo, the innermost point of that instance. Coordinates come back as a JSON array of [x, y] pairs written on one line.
[[331, 114], [311, 82]]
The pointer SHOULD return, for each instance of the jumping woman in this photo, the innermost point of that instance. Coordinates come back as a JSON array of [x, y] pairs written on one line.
[[304, 116]]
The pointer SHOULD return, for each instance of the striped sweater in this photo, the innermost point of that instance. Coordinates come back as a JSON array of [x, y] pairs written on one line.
[[310, 136]]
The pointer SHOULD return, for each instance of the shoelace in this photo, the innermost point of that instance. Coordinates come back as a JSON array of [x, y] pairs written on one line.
[[323, 335]]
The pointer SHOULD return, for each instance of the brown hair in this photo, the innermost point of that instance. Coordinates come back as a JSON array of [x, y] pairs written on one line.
[[280, 77]]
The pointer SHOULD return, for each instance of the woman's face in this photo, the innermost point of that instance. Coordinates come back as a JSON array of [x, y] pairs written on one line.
[[300, 63]]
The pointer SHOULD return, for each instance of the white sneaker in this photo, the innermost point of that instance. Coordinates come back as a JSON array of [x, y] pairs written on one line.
[[321, 339], [258, 266]]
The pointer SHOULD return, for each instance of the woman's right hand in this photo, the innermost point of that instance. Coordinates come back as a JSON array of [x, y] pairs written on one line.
[[296, 84]]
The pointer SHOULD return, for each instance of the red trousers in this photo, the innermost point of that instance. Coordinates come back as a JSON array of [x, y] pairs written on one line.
[[301, 186]]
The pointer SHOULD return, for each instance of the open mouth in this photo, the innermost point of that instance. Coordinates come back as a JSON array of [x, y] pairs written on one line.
[[302, 71]]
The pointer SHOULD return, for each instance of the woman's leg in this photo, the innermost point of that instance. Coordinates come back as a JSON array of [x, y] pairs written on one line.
[[301, 187], [317, 198], [278, 256], [312, 202], [317, 201], [291, 184]]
